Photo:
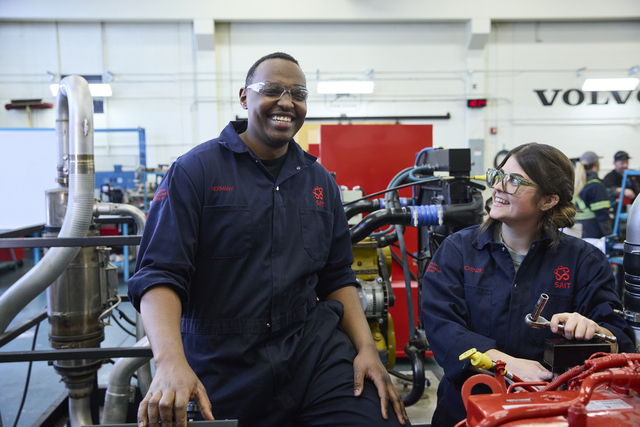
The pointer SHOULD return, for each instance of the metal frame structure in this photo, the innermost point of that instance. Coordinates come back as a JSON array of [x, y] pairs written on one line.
[[142, 138], [619, 214]]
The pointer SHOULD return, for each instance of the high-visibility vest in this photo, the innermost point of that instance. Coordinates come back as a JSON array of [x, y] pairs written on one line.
[[585, 212]]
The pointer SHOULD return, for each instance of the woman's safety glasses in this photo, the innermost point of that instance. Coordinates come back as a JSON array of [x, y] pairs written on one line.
[[510, 183], [277, 90]]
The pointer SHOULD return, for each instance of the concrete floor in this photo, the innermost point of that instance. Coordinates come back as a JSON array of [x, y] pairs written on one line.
[[420, 414], [45, 386]]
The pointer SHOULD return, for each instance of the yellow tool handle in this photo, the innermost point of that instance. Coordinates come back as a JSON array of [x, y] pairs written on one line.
[[478, 359]]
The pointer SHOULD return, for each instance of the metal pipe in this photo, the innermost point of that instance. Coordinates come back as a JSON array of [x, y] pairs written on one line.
[[633, 223], [122, 209], [119, 391], [80, 411], [144, 373], [631, 264], [74, 103]]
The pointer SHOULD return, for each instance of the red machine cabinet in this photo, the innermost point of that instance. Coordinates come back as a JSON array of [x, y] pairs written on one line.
[[370, 156]]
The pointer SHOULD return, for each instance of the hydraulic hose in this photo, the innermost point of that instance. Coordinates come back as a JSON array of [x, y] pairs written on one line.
[[417, 216], [418, 375], [365, 206], [74, 117], [380, 218], [407, 283]]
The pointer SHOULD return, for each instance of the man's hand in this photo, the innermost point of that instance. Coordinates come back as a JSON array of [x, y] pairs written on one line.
[[175, 382], [367, 364], [527, 370], [171, 389], [628, 193]]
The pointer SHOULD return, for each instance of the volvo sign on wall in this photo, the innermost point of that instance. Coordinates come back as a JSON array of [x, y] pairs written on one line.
[[575, 97]]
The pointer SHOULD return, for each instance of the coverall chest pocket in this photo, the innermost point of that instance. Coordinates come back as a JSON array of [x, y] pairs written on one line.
[[225, 231], [317, 229], [479, 304]]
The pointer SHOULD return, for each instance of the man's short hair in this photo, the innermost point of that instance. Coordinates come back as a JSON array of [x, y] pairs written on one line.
[[275, 55]]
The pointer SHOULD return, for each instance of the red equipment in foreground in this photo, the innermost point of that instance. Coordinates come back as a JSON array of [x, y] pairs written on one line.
[[602, 392]]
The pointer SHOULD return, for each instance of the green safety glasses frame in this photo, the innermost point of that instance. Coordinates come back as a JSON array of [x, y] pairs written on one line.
[[510, 182]]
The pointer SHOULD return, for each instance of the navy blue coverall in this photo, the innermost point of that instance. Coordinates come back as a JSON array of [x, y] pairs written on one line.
[[252, 259], [593, 208], [473, 297]]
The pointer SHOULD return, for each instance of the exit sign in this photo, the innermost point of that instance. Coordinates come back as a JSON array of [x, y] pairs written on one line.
[[476, 103]]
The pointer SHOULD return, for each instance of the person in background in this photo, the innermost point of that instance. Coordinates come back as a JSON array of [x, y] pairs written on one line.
[[591, 198], [244, 279], [484, 279], [613, 180]]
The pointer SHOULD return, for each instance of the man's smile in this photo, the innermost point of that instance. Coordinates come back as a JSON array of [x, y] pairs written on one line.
[[281, 119]]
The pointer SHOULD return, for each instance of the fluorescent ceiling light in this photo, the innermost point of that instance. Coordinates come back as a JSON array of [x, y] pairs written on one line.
[[599, 85], [345, 86], [97, 90]]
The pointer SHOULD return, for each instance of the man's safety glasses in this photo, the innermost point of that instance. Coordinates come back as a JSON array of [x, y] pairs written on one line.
[[510, 183], [277, 90]]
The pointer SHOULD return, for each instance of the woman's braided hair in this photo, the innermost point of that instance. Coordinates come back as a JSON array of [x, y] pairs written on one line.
[[553, 172]]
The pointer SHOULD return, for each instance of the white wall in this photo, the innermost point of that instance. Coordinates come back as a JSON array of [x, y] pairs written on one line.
[[153, 66], [183, 96], [523, 57]]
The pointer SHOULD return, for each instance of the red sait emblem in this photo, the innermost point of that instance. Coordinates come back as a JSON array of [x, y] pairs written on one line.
[[317, 193], [563, 275]]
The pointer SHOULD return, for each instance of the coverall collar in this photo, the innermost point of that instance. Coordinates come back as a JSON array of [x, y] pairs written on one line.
[[486, 238], [230, 138]]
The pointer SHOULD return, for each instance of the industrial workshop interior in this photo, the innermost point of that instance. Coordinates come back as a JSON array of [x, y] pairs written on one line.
[[320, 213]]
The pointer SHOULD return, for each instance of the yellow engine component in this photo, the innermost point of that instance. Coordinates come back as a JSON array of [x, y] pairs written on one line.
[[365, 259], [389, 344], [381, 344], [391, 338]]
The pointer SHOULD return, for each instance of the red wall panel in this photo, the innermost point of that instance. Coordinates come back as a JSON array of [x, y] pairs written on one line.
[[370, 156]]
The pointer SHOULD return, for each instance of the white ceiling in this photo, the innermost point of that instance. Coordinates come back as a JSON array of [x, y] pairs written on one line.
[[319, 10]]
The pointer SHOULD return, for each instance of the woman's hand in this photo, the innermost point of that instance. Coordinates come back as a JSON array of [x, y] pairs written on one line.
[[527, 370], [578, 327]]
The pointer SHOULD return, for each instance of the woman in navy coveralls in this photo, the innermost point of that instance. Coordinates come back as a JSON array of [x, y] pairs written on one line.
[[483, 280]]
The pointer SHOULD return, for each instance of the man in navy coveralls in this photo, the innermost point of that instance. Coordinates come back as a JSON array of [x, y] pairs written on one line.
[[244, 279]]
